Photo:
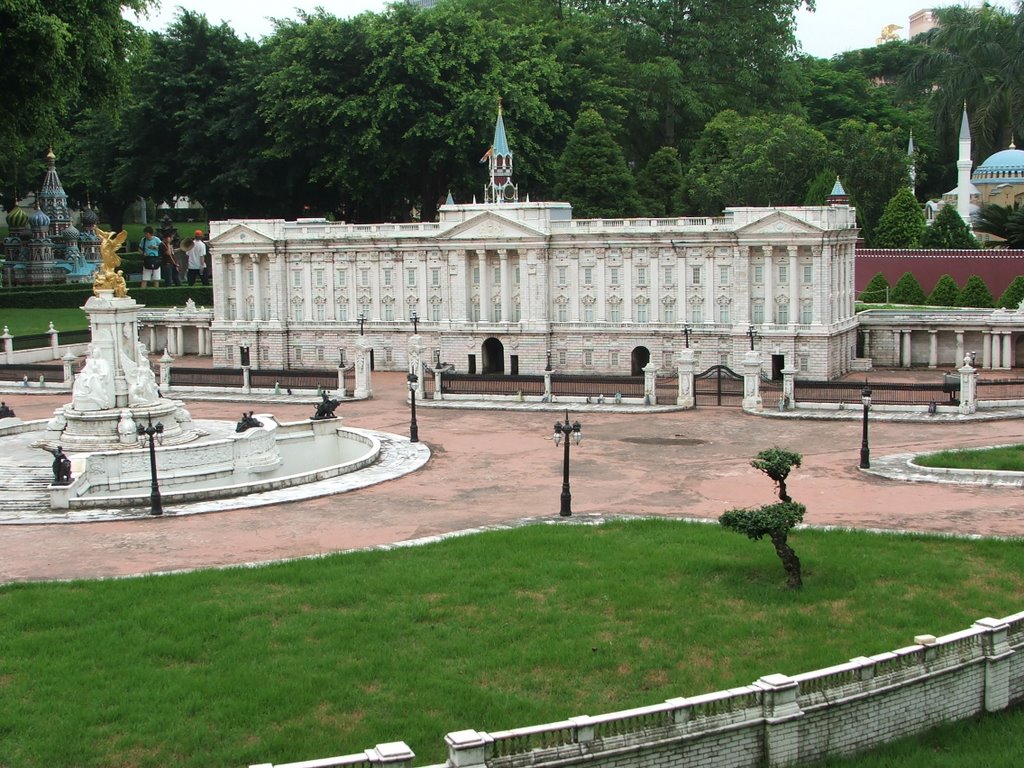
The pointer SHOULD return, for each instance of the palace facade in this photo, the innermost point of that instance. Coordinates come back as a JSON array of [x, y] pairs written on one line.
[[510, 286]]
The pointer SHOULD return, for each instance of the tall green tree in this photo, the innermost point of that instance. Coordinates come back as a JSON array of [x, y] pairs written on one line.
[[902, 223], [58, 57], [755, 160], [660, 183], [1014, 293], [592, 172], [948, 231], [975, 294], [945, 293], [975, 56], [1003, 221]]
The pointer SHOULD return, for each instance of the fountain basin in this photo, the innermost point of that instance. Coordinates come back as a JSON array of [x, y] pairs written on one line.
[[221, 465]]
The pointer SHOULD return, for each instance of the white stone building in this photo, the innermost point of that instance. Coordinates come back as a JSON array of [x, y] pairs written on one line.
[[510, 286]]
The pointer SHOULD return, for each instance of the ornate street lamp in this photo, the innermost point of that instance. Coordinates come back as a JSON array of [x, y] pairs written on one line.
[[752, 333], [152, 432], [686, 334], [865, 451], [414, 433], [566, 430], [361, 317], [415, 322]]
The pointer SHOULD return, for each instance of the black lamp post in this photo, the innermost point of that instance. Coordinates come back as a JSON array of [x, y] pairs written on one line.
[[865, 452], [341, 358], [548, 366], [565, 430], [414, 432], [686, 335], [753, 335], [362, 319], [415, 322], [156, 507]]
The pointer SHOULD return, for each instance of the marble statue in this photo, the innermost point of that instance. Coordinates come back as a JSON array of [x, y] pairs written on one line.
[[93, 389]]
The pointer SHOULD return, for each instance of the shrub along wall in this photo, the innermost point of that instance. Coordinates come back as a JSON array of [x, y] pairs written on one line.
[[72, 296]]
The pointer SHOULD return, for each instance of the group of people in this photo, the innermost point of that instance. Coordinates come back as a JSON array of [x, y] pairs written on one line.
[[163, 261]]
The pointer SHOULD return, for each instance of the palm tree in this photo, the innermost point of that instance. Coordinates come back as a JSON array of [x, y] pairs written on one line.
[[975, 56], [1002, 221]]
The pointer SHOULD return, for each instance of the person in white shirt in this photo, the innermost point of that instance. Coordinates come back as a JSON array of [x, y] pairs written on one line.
[[196, 252]]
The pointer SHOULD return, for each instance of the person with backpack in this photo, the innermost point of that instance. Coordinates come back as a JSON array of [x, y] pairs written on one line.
[[169, 262], [150, 247]]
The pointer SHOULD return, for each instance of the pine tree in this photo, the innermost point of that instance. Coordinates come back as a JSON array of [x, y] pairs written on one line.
[[660, 183], [975, 293], [948, 231], [1014, 293], [592, 172], [876, 291], [945, 293], [902, 223], [908, 291]]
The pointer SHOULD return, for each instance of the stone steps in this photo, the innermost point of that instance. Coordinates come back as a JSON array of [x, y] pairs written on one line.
[[25, 490]]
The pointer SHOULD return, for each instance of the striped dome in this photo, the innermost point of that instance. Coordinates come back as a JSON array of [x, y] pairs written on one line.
[[17, 218], [38, 219]]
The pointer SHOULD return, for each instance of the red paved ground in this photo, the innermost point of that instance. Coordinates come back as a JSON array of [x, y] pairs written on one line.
[[490, 467]]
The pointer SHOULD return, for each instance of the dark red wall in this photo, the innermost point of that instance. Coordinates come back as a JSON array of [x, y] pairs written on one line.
[[996, 267]]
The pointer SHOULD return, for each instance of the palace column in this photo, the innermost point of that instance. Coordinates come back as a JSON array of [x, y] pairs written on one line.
[[239, 297], [257, 288], [627, 285], [959, 354], [796, 308], [272, 260], [1007, 350], [711, 306], [506, 286], [485, 286], [906, 354], [600, 291], [986, 349], [769, 285]]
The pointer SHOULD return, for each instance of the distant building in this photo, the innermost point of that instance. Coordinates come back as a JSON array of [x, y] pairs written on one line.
[[505, 286], [920, 22]]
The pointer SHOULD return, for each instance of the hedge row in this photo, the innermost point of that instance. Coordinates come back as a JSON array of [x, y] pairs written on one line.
[[72, 296]]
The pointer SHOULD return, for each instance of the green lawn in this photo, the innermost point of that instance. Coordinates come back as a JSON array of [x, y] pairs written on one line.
[[493, 631], [22, 322], [1007, 458]]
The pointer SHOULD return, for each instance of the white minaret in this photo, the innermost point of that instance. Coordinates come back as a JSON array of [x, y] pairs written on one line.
[[963, 170], [913, 162]]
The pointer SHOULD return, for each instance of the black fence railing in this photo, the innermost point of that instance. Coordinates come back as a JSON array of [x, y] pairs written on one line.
[[49, 372], [1000, 389], [882, 393], [295, 378], [206, 377], [485, 384], [572, 385], [42, 340], [667, 389]]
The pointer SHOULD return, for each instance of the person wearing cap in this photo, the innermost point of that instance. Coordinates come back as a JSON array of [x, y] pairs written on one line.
[[197, 260]]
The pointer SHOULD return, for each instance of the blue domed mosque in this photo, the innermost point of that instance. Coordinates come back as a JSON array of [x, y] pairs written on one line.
[[43, 247]]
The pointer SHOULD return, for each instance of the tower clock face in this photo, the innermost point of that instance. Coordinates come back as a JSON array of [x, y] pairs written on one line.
[[509, 192]]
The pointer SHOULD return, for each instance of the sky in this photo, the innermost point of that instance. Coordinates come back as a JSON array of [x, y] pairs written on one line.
[[836, 25]]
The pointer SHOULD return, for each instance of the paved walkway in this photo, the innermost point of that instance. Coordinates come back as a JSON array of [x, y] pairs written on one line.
[[491, 467]]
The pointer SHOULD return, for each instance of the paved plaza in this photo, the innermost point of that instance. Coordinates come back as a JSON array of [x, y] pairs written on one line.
[[493, 467]]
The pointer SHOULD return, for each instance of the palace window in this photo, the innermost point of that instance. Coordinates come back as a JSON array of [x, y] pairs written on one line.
[[588, 358], [364, 277], [252, 276], [297, 278], [783, 273], [614, 314], [496, 275], [758, 274], [723, 313], [695, 275], [389, 313], [297, 313], [613, 276], [251, 311], [723, 275], [804, 364], [320, 354], [517, 312], [516, 273], [588, 313], [435, 313], [757, 313], [668, 313], [387, 277], [231, 309], [807, 313], [342, 277], [496, 312], [343, 312], [563, 313], [319, 277], [613, 359], [783, 314], [641, 313], [696, 314], [561, 272], [668, 358], [561, 357], [321, 315], [435, 277], [476, 311], [808, 274], [641, 275], [476, 275], [410, 277], [588, 275]]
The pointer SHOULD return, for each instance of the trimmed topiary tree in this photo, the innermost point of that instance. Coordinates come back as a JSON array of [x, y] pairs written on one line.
[[975, 293], [773, 520], [876, 291], [946, 293], [1014, 294], [908, 291], [948, 231], [902, 222]]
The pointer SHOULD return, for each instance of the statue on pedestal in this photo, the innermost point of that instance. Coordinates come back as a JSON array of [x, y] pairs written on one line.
[[108, 277], [325, 410], [61, 466]]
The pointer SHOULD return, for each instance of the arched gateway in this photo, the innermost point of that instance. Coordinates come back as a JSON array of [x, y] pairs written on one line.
[[639, 359], [493, 355]]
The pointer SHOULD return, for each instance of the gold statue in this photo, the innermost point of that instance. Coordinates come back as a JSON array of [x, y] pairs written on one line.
[[108, 277]]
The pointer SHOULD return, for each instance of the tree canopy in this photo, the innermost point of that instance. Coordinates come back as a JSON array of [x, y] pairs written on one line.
[[902, 223]]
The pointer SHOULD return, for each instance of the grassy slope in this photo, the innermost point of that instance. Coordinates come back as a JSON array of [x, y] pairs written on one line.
[[493, 631]]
